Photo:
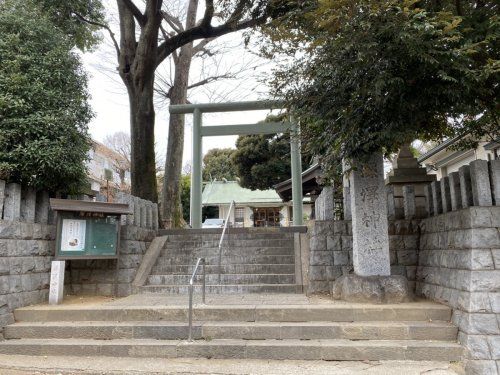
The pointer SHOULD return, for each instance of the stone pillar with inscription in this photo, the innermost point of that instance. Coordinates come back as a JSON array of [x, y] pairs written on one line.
[[369, 219], [372, 280], [56, 282]]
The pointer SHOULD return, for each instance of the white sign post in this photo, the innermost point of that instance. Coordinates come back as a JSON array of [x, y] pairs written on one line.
[[56, 282]]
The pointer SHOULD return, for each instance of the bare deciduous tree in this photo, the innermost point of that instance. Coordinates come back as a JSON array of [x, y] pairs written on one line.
[[148, 35], [174, 87]]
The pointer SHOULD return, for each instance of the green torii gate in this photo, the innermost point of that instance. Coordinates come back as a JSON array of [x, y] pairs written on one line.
[[200, 131]]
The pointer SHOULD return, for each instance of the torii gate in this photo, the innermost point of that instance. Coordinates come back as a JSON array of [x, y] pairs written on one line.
[[200, 131]]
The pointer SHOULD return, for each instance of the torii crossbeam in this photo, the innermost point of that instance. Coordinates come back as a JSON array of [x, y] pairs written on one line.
[[200, 131]]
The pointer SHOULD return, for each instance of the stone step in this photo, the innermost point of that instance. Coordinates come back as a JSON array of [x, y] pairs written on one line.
[[228, 251], [267, 242], [225, 269], [340, 350], [223, 289], [245, 278], [341, 312], [234, 259], [162, 330], [229, 236]]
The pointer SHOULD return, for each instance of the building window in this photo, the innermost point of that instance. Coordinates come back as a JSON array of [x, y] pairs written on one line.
[[239, 214]]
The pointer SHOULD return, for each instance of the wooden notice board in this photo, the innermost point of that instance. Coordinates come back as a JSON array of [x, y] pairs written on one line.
[[87, 230]]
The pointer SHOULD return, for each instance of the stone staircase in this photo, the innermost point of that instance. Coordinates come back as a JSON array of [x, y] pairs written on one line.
[[253, 261], [272, 329]]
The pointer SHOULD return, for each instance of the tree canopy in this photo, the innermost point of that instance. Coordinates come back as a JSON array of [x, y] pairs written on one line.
[[262, 161], [80, 20], [218, 165], [43, 102], [364, 76]]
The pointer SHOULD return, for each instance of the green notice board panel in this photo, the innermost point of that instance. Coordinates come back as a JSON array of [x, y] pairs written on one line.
[[86, 235]]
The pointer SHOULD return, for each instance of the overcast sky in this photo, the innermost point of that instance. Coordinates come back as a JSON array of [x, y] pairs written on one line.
[[110, 102]]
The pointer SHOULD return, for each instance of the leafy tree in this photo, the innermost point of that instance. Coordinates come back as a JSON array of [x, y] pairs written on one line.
[[80, 20], [365, 76], [218, 164], [43, 102], [262, 161]]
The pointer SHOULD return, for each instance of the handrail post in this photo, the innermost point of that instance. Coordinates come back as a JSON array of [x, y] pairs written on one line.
[[204, 282], [190, 314], [191, 291], [231, 206]]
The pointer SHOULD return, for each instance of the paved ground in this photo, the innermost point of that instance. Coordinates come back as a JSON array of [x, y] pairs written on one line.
[[146, 300], [27, 365]]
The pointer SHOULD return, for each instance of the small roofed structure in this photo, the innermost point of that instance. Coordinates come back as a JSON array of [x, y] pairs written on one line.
[[253, 208], [311, 179]]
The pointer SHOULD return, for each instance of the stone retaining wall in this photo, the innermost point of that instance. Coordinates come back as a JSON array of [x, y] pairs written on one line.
[[96, 277], [331, 251], [459, 265], [27, 248]]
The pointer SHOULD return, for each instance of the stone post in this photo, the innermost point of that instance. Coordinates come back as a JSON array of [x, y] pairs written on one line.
[[42, 207], [465, 186], [372, 281], [409, 204], [28, 205], [480, 181], [437, 201], [12, 209], [445, 194], [494, 174], [137, 211], [144, 214], [149, 215], [155, 216], [369, 219], [120, 197], [131, 203], [56, 292], [455, 193], [391, 209], [429, 200]]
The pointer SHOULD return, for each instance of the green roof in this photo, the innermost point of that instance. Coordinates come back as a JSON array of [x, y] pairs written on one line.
[[222, 192]]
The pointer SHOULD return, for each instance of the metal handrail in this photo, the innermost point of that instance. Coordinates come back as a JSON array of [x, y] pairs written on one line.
[[222, 237], [191, 287]]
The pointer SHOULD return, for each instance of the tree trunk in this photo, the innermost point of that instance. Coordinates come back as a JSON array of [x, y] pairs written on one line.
[[142, 121], [137, 63], [171, 193]]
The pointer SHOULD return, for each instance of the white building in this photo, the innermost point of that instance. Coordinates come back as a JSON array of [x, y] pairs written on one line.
[[442, 160], [107, 167]]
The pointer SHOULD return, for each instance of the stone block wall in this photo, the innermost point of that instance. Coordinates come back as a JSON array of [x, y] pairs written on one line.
[[459, 265], [26, 248], [331, 251], [97, 277]]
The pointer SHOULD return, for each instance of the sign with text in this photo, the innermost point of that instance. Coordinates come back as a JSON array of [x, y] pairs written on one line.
[[73, 235]]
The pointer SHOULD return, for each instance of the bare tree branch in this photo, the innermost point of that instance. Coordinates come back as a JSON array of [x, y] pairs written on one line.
[[102, 25], [199, 32], [135, 11], [173, 22], [211, 79], [201, 45]]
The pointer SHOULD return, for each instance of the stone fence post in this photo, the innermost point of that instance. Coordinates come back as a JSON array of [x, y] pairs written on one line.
[[476, 184]]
